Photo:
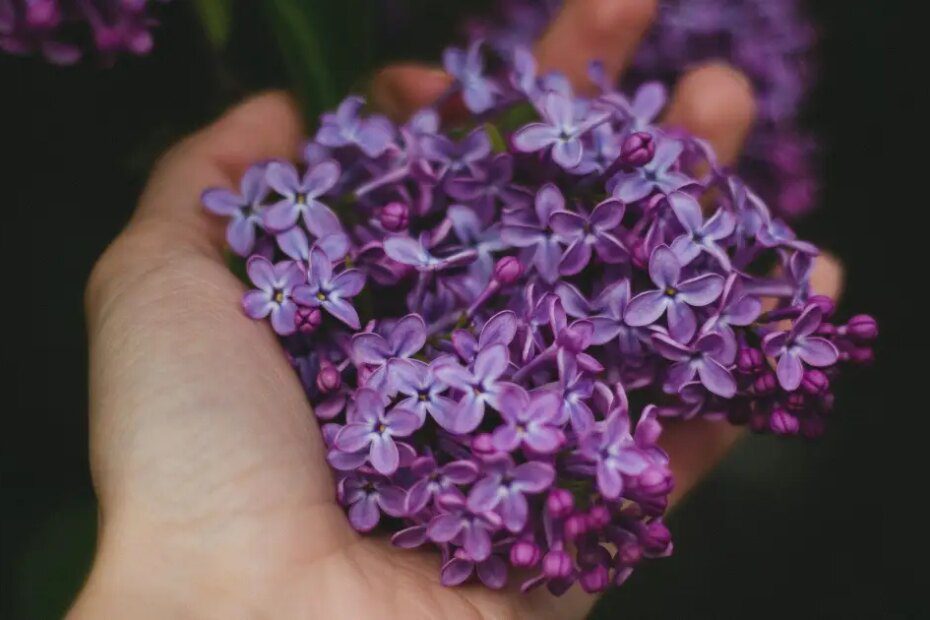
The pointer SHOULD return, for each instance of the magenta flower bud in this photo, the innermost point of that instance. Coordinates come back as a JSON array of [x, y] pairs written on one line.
[[638, 149], [826, 330], [307, 319], [329, 379], [862, 328], [557, 564], [655, 480], [826, 305], [765, 384], [598, 517], [815, 382], [795, 402], [862, 355], [508, 270], [560, 503], [594, 579], [575, 526], [630, 553], [395, 216], [483, 444], [524, 554], [749, 360], [656, 537], [43, 14], [783, 423], [813, 427]]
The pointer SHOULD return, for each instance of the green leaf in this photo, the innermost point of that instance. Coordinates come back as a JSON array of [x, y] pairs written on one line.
[[216, 17], [497, 140]]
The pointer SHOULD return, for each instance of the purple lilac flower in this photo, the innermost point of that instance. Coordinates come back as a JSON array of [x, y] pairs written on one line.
[[275, 293], [375, 430], [330, 292], [673, 295], [242, 209], [344, 127], [562, 131], [798, 345], [467, 66], [478, 389]]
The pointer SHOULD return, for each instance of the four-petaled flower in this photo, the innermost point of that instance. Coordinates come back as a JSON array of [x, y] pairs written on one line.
[[370, 427], [529, 228], [504, 485], [242, 209], [276, 292], [344, 127], [700, 236], [562, 130], [367, 497], [582, 233], [329, 292], [673, 295], [657, 175], [433, 481], [797, 345], [480, 386], [403, 339], [300, 197], [529, 421], [467, 66], [704, 358], [611, 448], [460, 524]]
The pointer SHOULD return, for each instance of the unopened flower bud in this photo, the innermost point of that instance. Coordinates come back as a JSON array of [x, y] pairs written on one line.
[[656, 538], [655, 480], [638, 149], [560, 503], [796, 402], [598, 517], [826, 305], [765, 384], [508, 270], [483, 444], [749, 360], [307, 319], [815, 382], [862, 328], [329, 379], [594, 580], [557, 564], [629, 553], [783, 423], [575, 526], [524, 554], [862, 355], [395, 216]]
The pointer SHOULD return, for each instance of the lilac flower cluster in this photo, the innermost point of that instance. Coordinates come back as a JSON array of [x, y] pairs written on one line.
[[490, 321], [770, 40], [58, 28]]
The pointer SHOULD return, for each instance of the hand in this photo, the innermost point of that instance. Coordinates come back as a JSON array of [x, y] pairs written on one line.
[[215, 498]]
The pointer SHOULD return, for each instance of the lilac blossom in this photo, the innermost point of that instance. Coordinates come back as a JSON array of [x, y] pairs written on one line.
[[344, 127], [530, 229], [458, 522], [584, 233], [328, 291], [300, 197], [700, 236], [673, 295], [375, 429], [658, 175], [434, 480], [480, 386], [504, 486], [242, 209], [798, 345], [701, 359], [611, 448], [403, 339], [492, 571], [367, 497], [605, 312], [529, 421], [561, 131], [467, 66], [275, 293]]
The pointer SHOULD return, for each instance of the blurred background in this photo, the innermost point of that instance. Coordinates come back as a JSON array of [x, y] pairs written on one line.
[[782, 529]]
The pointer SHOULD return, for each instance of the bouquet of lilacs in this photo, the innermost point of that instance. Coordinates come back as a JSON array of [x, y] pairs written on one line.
[[771, 41], [58, 28], [491, 321]]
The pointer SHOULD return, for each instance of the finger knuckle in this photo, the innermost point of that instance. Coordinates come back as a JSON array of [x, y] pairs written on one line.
[[718, 95]]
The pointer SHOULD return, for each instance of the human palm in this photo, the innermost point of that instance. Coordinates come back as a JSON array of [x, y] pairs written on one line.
[[216, 500]]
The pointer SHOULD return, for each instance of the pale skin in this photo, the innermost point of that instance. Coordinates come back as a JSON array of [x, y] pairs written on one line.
[[215, 498]]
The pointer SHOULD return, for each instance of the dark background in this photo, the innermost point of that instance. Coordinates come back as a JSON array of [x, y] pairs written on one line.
[[782, 529]]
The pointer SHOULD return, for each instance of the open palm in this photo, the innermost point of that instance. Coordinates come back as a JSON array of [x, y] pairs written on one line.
[[216, 500]]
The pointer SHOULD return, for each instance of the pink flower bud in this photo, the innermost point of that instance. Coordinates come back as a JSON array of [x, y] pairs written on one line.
[[783, 423], [557, 564], [594, 579], [862, 328], [638, 149], [826, 305], [815, 382], [598, 517], [508, 270], [329, 379], [560, 503], [307, 319], [524, 554], [395, 216], [575, 526]]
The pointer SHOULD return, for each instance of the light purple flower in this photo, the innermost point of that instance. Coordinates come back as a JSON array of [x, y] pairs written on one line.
[[658, 175], [300, 197], [242, 209], [529, 421], [433, 481], [703, 359], [561, 130], [700, 236], [403, 339], [418, 382], [456, 157], [504, 486], [800, 345], [467, 66], [331, 292], [375, 430], [611, 448], [529, 229], [275, 294], [605, 312], [673, 295], [416, 253], [736, 308], [344, 127], [480, 386], [582, 233], [470, 529], [492, 571]]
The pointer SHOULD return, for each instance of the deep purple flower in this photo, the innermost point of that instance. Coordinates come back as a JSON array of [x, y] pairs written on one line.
[[492, 571], [276, 292], [344, 127], [243, 209], [331, 292], [503, 488], [367, 497], [561, 130], [673, 295], [612, 449], [467, 66], [736, 309], [374, 429], [487, 185], [702, 358], [800, 345], [582, 233], [300, 197], [455, 157], [658, 175], [638, 149], [529, 420]]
